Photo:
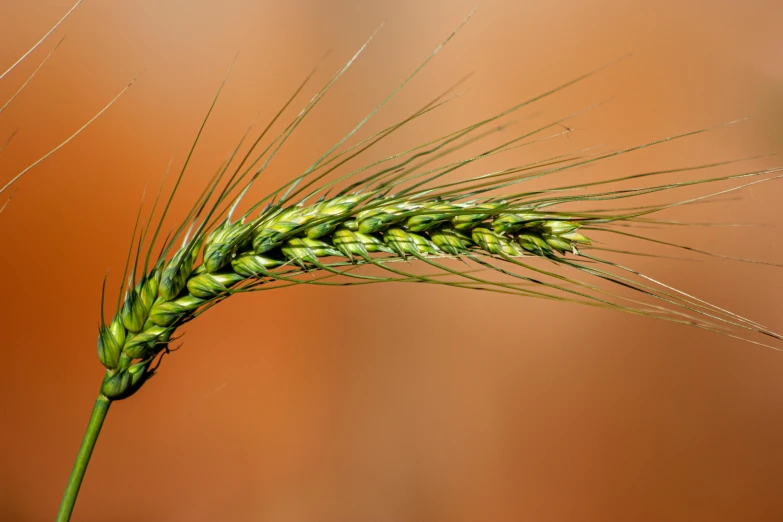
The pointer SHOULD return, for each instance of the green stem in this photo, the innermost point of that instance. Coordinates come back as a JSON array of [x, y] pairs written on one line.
[[83, 458]]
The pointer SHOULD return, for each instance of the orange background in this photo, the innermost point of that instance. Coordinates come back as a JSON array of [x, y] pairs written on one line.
[[398, 402]]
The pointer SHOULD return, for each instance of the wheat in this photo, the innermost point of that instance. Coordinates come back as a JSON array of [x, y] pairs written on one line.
[[389, 212]]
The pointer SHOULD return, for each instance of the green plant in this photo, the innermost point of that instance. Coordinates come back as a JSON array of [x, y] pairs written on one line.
[[473, 233]]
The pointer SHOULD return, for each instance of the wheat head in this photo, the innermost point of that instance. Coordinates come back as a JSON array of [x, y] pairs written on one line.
[[287, 244]]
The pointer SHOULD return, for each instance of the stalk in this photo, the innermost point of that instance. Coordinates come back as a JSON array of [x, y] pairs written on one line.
[[83, 458]]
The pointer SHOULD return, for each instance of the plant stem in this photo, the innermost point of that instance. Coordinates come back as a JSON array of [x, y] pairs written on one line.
[[83, 458]]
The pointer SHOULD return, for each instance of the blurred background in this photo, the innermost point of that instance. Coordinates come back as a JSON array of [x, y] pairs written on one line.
[[397, 402]]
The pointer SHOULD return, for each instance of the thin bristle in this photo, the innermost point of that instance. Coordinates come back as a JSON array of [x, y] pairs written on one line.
[[24, 85], [32, 75], [42, 40], [69, 138]]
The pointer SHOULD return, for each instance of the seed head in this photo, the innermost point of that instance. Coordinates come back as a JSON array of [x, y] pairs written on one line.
[[468, 221], [166, 313], [378, 219], [451, 241], [125, 382], [110, 342], [175, 275], [221, 245], [206, 286], [134, 312], [494, 243], [251, 264]]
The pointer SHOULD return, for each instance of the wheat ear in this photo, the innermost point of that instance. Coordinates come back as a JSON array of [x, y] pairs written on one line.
[[393, 210]]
